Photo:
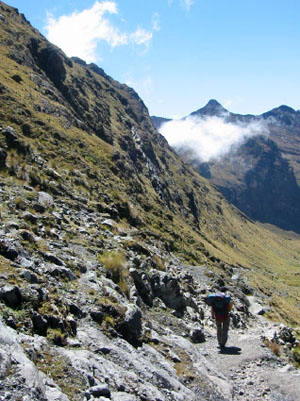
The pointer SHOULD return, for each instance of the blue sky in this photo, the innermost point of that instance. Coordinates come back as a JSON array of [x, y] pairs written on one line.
[[178, 54]]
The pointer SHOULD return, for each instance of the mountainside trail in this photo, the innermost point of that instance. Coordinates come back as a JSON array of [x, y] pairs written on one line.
[[110, 244], [252, 371]]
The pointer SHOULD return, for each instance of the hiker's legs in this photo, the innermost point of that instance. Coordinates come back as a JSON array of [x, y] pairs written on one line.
[[225, 328], [219, 331]]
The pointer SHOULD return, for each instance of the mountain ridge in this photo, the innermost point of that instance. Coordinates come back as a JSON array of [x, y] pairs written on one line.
[[248, 188]]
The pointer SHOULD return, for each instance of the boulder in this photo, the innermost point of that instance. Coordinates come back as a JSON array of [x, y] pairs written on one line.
[[63, 272], [53, 259], [45, 200], [197, 335], [11, 295], [31, 218], [29, 276], [97, 316], [3, 156], [167, 288], [8, 250], [13, 141], [143, 286], [75, 310], [72, 324], [286, 334], [102, 390], [131, 326], [40, 324]]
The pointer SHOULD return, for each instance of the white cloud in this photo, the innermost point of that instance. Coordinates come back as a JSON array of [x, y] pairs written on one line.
[[209, 138], [155, 22], [188, 4], [78, 34], [140, 36]]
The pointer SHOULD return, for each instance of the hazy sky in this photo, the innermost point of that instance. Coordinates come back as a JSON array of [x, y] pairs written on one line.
[[178, 54]]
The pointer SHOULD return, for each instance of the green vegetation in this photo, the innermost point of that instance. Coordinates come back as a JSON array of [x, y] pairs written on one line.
[[296, 355], [88, 140], [61, 372], [115, 264]]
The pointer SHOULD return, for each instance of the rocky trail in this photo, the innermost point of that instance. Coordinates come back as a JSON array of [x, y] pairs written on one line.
[[252, 371], [69, 333]]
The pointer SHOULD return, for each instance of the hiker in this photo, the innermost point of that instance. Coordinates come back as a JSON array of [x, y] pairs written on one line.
[[220, 307]]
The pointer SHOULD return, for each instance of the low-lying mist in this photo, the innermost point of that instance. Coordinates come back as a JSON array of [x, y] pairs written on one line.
[[209, 138]]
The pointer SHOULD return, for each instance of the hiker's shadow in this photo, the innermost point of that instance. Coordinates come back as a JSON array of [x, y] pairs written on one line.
[[231, 350]]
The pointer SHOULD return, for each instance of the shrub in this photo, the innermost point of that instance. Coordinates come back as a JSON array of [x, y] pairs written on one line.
[[274, 347], [296, 354], [115, 265], [20, 204]]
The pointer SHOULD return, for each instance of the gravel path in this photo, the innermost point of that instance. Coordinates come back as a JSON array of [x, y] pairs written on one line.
[[252, 370]]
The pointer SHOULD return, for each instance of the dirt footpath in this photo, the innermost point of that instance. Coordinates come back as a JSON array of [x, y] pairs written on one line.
[[251, 369]]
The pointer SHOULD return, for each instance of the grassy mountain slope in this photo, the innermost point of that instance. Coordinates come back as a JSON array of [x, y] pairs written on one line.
[[89, 141]]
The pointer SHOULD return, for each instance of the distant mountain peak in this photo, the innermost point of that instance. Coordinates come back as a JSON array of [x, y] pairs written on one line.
[[285, 109], [212, 108], [213, 103]]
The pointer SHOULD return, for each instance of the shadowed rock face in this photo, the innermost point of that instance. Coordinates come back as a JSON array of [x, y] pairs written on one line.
[[267, 191]]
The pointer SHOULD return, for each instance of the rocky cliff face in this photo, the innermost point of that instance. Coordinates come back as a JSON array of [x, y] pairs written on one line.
[[261, 177]]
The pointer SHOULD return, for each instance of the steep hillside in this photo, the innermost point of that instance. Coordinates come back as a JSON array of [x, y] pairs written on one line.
[[97, 136], [109, 242], [79, 135]]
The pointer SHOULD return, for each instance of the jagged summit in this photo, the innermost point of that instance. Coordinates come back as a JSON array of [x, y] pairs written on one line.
[[212, 108], [284, 115]]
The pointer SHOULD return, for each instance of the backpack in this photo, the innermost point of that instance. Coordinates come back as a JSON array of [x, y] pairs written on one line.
[[219, 303]]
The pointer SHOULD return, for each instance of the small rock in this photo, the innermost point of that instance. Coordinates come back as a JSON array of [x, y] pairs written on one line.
[[45, 200], [75, 310], [29, 276], [66, 273], [3, 156], [40, 324], [104, 350], [27, 236], [30, 217], [39, 208], [24, 262], [197, 335], [101, 390], [11, 295], [97, 316], [53, 259]]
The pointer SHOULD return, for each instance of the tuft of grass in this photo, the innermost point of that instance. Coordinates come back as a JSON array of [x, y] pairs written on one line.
[[115, 265], [159, 263], [62, 373], [296, 355], [274, 347]]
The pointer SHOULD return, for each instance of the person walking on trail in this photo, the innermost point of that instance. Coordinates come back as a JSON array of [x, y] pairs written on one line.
[[220, 310]]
